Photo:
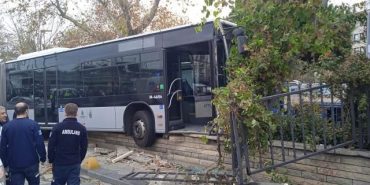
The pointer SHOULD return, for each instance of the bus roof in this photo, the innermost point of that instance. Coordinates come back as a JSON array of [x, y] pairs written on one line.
[[61, 50], [41, 53]]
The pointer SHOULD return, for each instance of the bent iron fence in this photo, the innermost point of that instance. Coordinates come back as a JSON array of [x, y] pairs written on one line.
[[309, 122]]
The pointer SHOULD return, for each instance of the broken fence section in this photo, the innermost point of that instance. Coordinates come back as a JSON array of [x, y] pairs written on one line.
[[308, 122]]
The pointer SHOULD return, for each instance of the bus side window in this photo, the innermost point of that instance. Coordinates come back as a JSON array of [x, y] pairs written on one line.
[[128, 78]]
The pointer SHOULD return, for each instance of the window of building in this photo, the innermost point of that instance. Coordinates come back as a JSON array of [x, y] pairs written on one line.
[[359, 37], [356, 37], [362, 36], [359, 50]]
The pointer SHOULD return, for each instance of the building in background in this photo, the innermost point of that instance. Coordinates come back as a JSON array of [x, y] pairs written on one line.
[[359, 38], [359, 33]]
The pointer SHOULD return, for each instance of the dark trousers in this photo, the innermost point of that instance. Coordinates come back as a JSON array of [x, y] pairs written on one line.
[[66, 174], [18, 176]]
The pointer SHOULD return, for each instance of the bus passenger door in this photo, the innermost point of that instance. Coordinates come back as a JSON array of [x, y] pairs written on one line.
[[196, 86], [189, 86], [45, 95], [174, 90], [38, 95], [51, 94]]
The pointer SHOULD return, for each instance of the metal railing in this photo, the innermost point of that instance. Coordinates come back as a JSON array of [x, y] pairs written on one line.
[[308, 122], [195, 178]]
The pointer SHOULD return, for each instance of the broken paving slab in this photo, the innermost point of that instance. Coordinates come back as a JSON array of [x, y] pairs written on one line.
[[120, 157], [122, 149], [141, 158], [102, 151], [265, 183], [112, 177]]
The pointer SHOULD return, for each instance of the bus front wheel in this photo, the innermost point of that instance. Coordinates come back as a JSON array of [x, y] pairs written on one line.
[[143, 129]]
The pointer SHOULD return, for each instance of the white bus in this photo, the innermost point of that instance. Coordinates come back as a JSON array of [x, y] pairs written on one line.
[[143, 85]]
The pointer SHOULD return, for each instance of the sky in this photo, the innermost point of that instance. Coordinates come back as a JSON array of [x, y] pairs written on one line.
[[194, 14], [350, 2]]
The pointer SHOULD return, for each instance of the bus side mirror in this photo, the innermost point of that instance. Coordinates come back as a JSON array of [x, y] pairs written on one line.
[[241, 39]]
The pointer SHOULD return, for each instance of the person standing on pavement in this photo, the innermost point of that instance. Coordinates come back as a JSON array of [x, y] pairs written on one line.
[[67, 148], [3, 120], [3, 116], [22, 148]]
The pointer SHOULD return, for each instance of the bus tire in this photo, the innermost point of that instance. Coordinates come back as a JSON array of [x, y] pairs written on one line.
[[143, 130]]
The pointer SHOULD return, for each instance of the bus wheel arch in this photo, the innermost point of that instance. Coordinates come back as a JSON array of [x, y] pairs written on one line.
[[139, 123]]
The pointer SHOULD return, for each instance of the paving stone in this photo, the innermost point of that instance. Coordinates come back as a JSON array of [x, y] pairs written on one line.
[[314, 176], [303, 181], [355, 182], [289, 171], [343, 174], [338, 180]]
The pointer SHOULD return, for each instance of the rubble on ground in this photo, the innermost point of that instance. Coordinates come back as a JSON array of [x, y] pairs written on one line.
[[137, 160], [46, 177], [134, 161]]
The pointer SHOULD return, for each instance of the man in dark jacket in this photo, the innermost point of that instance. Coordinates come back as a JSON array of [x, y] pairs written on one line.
[[3, 116], [3, 120], [22, 147], [67, 148]]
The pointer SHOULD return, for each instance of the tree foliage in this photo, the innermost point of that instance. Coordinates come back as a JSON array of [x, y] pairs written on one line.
[[6, 52], [38, 24], [113, 19], [28, 23], [105, 21], [286, 39]]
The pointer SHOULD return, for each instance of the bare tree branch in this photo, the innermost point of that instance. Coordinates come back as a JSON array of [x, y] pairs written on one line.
[[25, 44], [148, 18], [125, 8], [137, 2], [74, 21], [325, 3], [111, 17]]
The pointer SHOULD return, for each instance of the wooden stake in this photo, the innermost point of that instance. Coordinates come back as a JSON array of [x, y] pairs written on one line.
[[122, 156]]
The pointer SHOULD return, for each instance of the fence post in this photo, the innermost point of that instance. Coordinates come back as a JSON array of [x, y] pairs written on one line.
[[245, 149], [368, 116], [236, 148], [234, 161], [353, 116]]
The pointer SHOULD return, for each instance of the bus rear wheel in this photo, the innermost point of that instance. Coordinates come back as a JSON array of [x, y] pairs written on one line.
[[143, 129]]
